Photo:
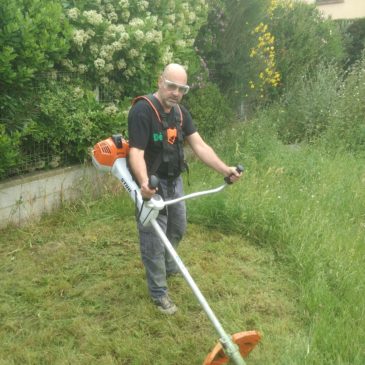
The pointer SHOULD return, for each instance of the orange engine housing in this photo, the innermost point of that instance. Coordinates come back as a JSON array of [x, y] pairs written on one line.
[[107, 151]]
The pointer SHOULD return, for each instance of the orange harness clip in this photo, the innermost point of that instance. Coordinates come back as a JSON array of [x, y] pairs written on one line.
[[171, 135]]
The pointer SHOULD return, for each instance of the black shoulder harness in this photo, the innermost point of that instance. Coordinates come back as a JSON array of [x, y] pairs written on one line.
[[169, 136]]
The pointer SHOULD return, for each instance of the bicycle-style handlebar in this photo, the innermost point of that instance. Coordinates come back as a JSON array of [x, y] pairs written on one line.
[[154, 181]]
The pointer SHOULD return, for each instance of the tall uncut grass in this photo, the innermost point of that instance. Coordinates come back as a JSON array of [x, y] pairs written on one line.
[[309, 206]]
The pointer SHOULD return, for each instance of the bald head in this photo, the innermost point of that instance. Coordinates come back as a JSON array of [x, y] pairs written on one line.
[[172, 85], [176, 73]]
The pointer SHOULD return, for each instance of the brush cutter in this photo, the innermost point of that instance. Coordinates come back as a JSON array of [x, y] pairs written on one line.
[[110, 155]]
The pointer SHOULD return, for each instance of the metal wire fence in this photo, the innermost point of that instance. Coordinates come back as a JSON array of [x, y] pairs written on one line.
[[39, 155]]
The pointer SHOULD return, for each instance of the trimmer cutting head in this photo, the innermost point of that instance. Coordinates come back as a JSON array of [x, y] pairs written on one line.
[[246, 341]]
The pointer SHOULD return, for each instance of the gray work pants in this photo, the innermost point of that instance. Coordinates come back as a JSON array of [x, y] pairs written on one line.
[[156, 259]]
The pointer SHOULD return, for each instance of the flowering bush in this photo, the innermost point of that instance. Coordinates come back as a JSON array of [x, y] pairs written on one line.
[[124, 44], [303, 39], [256, 49], [264, 55], [225, 42]]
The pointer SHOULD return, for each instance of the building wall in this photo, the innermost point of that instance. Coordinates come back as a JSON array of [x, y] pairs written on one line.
[[345, 9]]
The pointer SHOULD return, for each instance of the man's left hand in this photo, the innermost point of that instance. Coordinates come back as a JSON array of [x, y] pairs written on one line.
[[233, 174]]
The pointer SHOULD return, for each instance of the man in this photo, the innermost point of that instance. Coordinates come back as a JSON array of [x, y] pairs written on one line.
[[157, 127]]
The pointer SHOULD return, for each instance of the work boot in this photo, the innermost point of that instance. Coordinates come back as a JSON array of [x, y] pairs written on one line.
[[165, 304]]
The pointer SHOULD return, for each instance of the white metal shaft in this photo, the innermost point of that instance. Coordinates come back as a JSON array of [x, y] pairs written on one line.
[[225, 338]]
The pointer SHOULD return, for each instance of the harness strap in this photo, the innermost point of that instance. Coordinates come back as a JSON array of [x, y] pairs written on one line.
[[154, 103], [149, 101]]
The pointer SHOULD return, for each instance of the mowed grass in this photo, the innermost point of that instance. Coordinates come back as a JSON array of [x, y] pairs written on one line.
[[72, 291]]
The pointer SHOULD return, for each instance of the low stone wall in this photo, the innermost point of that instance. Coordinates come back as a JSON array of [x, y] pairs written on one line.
[[27, 198]]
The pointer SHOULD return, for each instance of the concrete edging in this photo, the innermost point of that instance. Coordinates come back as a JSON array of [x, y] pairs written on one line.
[[28, 197]]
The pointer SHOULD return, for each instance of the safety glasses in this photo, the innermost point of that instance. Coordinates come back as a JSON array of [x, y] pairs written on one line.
[[173, 86]]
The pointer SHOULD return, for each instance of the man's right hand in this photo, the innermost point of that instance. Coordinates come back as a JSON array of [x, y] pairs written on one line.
[[146, 192]]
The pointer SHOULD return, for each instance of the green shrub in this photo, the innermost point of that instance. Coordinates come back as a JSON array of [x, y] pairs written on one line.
[[356, 42], [66, 120], [9, 151], [210, 109], [70, 121], [119, 46], [307, 107], [34, 36], [347, 129]]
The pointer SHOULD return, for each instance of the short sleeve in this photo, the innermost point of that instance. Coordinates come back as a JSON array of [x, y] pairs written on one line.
[[139, 125], [188, 124]]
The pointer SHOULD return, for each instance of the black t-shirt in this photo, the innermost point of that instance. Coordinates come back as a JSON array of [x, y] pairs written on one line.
[[145, 132]]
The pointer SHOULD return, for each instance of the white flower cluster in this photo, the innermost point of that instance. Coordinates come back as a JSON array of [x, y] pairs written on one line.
[[138, 35], [167, 57], [78, 93], [111, 109], [73, 13], [180, 43], [112, 16], [99, 63], [93, 17], [123, 3], [82, 68], [136, 23], [142, 5], [80, 37], [133, 53], [104, 80], [121, 64], [154, 36]]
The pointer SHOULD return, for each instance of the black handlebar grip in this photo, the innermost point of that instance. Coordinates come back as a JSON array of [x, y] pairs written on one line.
[[153, 182], [239, 169]]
